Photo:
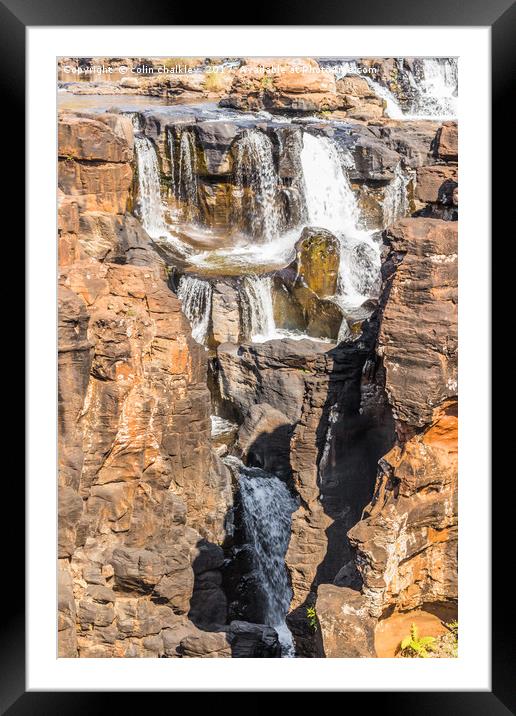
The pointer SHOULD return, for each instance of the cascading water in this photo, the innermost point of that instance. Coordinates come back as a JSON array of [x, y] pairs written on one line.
[[267, 508], [331, 204], [396, 203], [256, 185], [149, 191], [187, 189], [435, 87], [195, 296], [257, 309], [432, 84]]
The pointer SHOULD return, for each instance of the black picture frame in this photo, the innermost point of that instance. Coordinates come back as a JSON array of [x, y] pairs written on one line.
[[500, 15]]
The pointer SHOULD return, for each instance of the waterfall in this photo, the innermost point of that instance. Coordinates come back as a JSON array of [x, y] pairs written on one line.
[[173, 162], [395, 203], [256, 185], [149, 191], [332, 204], [435, 87], [432, 84], [195, 296], [187, 189], [333, 418], [267, 507], [392, 106], [256, 308]]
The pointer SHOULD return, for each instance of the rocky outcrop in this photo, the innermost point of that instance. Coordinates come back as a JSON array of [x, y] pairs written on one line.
[[300, 85], [405, 544], [418, 334]]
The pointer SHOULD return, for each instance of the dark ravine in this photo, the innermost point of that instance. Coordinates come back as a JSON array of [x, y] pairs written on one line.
[[327, 365]]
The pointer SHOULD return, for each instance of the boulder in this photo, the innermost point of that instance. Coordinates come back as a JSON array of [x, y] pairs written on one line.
[[346, 628], [317, 261], [447, 141], [436, 184]]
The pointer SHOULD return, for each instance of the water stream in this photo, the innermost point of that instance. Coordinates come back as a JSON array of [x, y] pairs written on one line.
[[195, 296], [267, 508]]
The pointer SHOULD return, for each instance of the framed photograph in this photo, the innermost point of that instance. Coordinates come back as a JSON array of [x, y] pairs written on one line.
[[249, 284]]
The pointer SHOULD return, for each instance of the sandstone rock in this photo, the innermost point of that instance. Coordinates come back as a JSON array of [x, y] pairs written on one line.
[[436, 184], [264, 439], [343, 429], [418, 334], [96, 187], [407, 541], [318, 258], [346, 627], [90, 139], [67, 638], [283, 366], [446, 142], [206, 644], [225, 313], [139, 483]]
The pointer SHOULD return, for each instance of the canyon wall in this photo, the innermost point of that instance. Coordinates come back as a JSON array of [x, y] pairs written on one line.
[[143, 498], [363, 430]]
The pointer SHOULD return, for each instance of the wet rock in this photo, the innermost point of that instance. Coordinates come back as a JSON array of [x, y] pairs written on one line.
[[317, 261], [413, 141], [225, 313], [215, 139], [253, 641]]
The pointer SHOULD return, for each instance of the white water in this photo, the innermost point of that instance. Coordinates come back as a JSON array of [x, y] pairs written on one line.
[[221, 426], [396, 204], [195, 295], [149, 190], [254, 168], [187, 173], [257, 309], [436, 89], [332, 204], [150, 205], [267, 508]]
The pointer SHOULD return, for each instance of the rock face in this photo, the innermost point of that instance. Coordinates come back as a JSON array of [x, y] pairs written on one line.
[[418, 334], [405, 544], [141, 492]]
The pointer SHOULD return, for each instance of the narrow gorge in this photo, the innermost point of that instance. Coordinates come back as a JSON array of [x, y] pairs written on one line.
[[257, 357]]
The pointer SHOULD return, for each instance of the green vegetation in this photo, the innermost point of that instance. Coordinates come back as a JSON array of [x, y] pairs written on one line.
[[448, 644], [414, 646], [266, 82], [311, 616]]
